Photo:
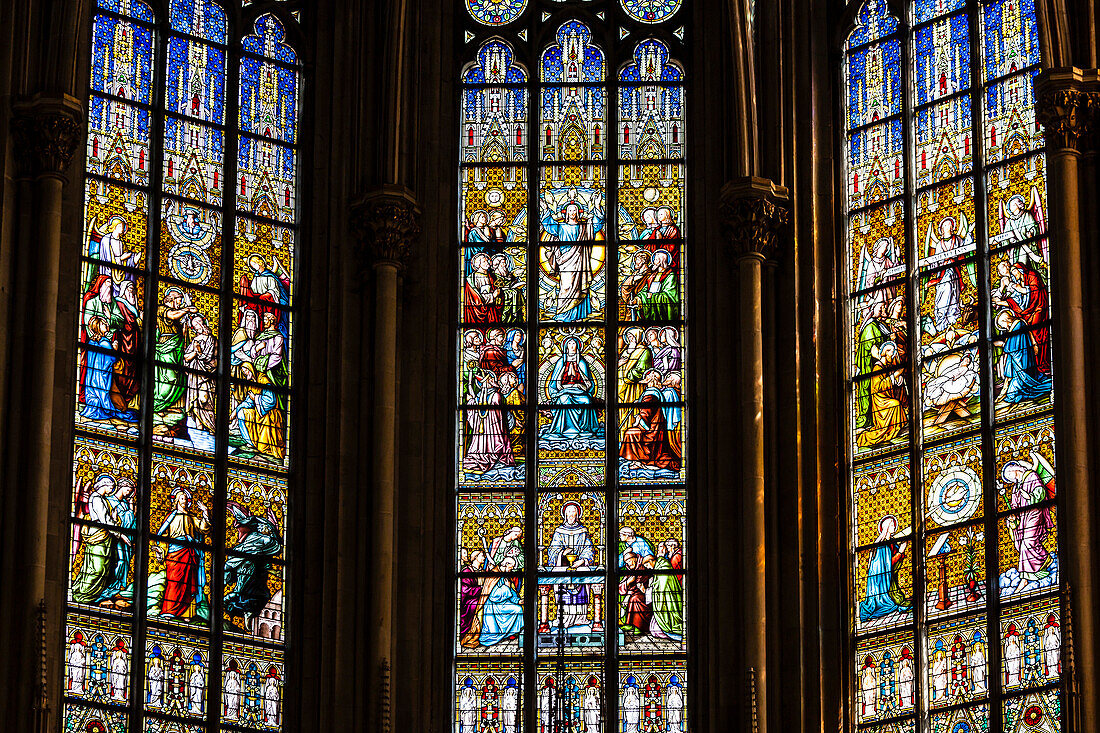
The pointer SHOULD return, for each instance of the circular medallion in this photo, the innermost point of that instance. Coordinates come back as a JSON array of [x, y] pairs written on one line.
[[190, 263], [650, 11], [494, 197], [954, 496], [495, 12], [1033, 716]]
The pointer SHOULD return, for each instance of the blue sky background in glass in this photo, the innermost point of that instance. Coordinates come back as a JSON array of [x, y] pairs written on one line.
[[590, 60], [952, 116], [205, 79], [942, 52], [661, 70], [202, 18], [269, 100], [862, 154], [514, 107], [927, 9], [132, 8], [874, 80], [495, 65], [113, 73], [1011, 37], [268, 40], [873, 22], [99, 121]]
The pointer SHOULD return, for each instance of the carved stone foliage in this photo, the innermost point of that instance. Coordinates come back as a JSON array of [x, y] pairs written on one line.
[[387, 224], [1068, 108], [754, 214], [47, 132]]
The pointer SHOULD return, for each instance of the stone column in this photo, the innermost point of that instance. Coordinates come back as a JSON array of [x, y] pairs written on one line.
[[46, 132], [753, 213], [387, 220], [1068, 105]]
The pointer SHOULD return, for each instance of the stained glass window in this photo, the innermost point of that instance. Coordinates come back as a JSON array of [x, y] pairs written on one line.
[[953, 530], [571, 470], [177, 571]]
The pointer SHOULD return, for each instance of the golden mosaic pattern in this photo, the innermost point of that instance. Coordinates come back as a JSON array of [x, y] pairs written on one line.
[[103, 202], [93, 457], [483, 517], [650, 186], [867, 253], [261, 495], [880, 490], [1030, 442], [193, 257], [955, 200], [487, 192], [954, 570], [273, 244], [1027, 178], [170, 473], [657, 515], [593, 517]]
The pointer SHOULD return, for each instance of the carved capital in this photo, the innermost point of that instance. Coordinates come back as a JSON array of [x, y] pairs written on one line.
[[386, 221], [46, 130], [1068, 108], [754, 213]]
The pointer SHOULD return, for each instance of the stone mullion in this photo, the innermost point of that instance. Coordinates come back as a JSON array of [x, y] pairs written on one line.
[[754, 213], [47, 131], [1068, 107]]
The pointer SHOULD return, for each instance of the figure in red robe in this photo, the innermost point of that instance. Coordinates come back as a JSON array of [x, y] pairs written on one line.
[[1034, 313], [647, 441], [636, 614], [481, 296]]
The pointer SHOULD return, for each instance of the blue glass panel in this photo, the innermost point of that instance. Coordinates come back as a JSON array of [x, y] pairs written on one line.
[[122, 55], [495, 65], [193, 160], [945, 141], [573, 125], [651, 63], [873, 22], [494, 125], [874, 83], [928, 9], [574, 58], [269, 40], [269, 100], [118, 140], [201, 18], [1011, 37], [131, 8], [875, 166], [1010, 125], [196, 80], [943, 58], [266, 184]]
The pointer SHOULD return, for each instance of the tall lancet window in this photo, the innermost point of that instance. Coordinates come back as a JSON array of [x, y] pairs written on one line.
[[183, 418], [571, 453], [953, 529]]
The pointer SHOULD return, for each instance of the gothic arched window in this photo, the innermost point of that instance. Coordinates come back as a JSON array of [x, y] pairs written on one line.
[[176, 599], [953, 530], [571, 448]]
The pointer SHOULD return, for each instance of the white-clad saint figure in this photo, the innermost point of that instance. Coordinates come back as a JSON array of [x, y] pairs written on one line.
[[509, 705], [674, 707], [232, 689], [197, 686], [119, 674], [1013, 657], [467, 708], [546, 706], [77, 661], [976, 661], [905, 679], [939, 672], [271, 700], [590, 706], [154, 680], [1052, 646], [632, 708], [868, 686]]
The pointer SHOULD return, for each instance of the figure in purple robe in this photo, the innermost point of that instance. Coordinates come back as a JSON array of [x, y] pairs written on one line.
[[1030, 527], [490, 446]]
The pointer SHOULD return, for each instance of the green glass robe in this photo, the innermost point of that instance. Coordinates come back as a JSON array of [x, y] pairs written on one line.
[[659, 299]]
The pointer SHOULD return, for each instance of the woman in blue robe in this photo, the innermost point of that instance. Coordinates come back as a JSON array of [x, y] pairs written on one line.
[[571, 385], [514, 348], [502, 614], [884, 596], [1022, 378]]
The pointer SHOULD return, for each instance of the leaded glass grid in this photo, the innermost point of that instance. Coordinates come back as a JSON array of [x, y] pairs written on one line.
[[178, 561], [955, 590], [571, 371]]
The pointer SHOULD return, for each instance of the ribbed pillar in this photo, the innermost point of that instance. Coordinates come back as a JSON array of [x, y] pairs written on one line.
[[753, 212], [387, 220], [1068, 102], [46, 131]]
